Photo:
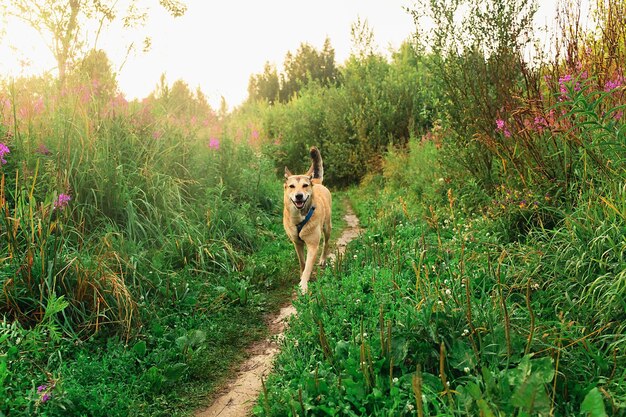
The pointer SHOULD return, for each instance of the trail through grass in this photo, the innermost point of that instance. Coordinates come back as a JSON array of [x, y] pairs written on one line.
[[239, 396]]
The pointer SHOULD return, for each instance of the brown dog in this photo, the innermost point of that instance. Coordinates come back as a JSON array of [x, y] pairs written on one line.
[[306, 215]]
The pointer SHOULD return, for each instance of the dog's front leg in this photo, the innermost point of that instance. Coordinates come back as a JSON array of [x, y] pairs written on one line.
[[299, 245], [311, 254]]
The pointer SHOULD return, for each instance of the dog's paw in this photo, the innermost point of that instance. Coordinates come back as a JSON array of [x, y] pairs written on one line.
[[304, 287]]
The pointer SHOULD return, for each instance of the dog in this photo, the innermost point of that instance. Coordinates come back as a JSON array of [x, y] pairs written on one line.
[[307, 208]]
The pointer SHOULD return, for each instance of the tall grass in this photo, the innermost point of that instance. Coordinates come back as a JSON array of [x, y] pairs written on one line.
[[498, 289], [126, 232]]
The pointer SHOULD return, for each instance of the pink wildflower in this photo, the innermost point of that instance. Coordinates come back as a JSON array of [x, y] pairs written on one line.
[[62, 201], [214, 144], [540, 123], [501, 126], [38, 106], [4, 149], [613, 84], [43, 149]]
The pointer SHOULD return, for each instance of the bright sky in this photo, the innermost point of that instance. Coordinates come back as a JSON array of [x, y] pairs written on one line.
[[217, 45]]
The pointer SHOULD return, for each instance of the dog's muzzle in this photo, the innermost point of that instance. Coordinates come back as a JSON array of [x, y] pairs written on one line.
[[299, 201]]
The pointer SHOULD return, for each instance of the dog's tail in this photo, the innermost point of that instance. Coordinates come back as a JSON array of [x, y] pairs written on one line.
[[317, 167]]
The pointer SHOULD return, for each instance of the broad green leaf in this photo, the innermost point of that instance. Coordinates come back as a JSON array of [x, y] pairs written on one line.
[[140, 348], [593, 404]]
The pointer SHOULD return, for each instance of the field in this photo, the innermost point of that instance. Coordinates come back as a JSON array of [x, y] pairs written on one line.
[[141, 242]]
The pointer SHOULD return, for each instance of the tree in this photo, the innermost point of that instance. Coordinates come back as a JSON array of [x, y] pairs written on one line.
[[308, 64], [63, 23], [265, 86]]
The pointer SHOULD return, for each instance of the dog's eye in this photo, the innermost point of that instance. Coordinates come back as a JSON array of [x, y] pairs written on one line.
[[292, 186], [305, 185]]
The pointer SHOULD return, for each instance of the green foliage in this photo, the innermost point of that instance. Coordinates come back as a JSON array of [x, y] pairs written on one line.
[[477, 62], [377, 105], [307, 66], [139, 247]]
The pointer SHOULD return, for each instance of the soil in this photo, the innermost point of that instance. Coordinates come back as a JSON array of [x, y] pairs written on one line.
[[239, 395]]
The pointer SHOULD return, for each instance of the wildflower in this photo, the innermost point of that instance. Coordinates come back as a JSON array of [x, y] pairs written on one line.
[[466, 332], [62, 201], [255, 134], [42, 149], [565, 79], [563, 85], [466, 370], [4, 149], [448, 292], [395, 380], [613, 84], [157, 134], [214, 143], [540, 122], [45, 397], [522, 204], [501, 126], [41, 388]]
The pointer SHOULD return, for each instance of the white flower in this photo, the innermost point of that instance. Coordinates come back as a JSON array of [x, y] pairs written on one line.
[[465, 332], [395, 380], [448, 292], [466, 370]]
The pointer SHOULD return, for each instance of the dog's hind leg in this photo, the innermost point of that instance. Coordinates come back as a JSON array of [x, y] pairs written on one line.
[[326, 249]]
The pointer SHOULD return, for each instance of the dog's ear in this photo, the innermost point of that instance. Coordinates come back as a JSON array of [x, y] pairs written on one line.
[[287, 173]]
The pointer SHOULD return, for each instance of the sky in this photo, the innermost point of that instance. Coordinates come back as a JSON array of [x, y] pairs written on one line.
[[218, 45]]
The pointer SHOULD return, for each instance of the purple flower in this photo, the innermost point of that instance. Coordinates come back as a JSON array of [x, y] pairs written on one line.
[[62, 201], [45, 397], [4, 149], [43, 149], [500, 125], [565, 79], [42, 388], [613, 84], [214, 143]]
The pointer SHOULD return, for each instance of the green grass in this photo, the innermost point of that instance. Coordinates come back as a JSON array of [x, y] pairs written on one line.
[[139, 294], [432, 296]]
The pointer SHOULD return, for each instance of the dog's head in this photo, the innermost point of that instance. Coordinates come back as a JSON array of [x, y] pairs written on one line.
[[298, 188]]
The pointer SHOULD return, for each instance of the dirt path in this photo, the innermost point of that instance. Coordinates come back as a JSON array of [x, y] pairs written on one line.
[[239, 396]]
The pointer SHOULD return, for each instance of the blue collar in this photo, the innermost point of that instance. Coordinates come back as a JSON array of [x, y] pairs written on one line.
[[300, 225]]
